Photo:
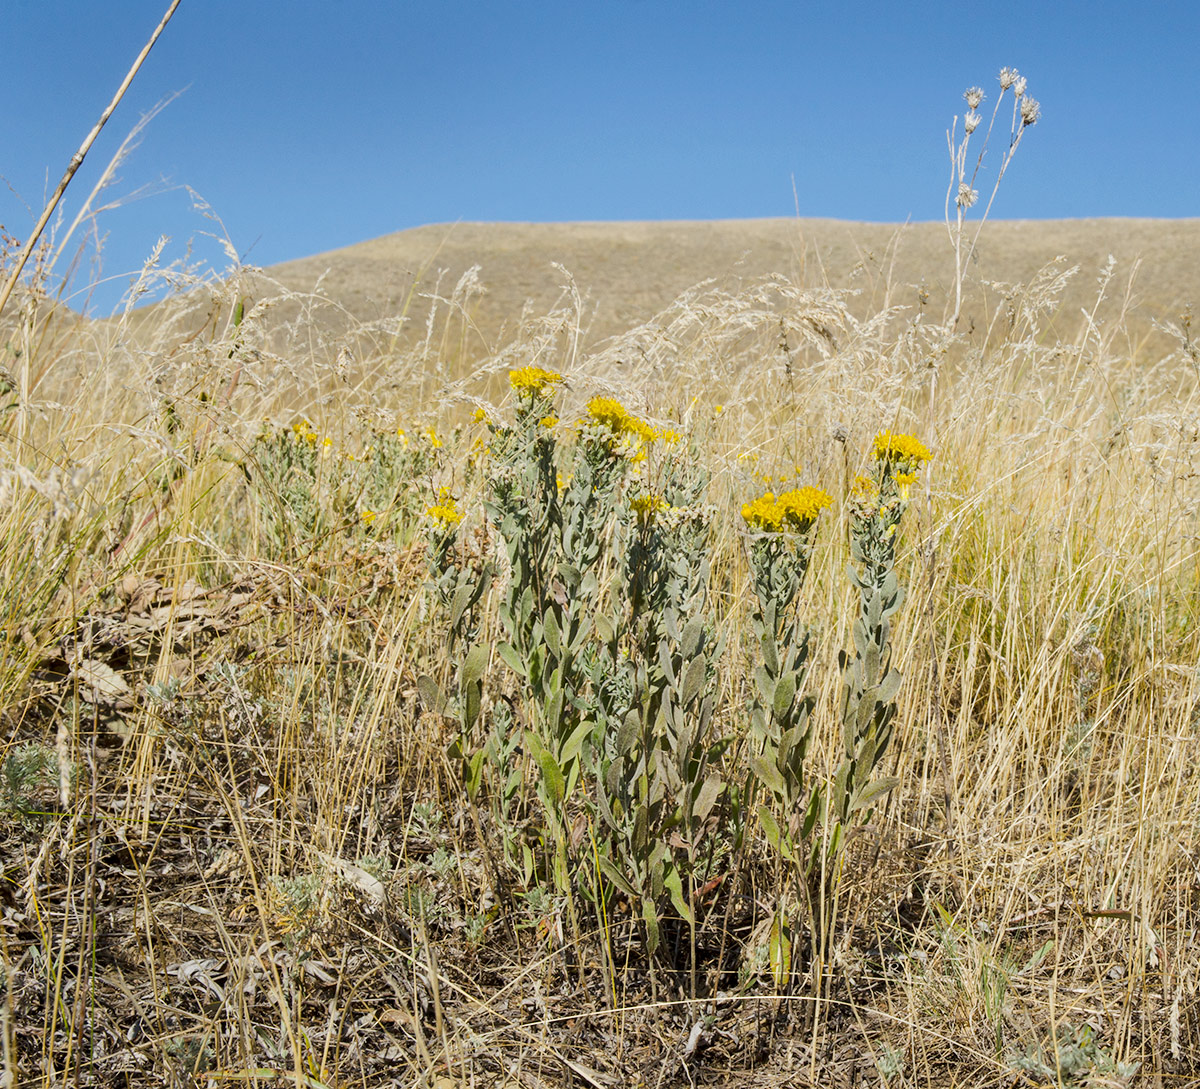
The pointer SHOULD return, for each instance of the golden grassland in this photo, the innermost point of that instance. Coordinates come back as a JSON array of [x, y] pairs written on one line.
[[628, 272], [236, 848]]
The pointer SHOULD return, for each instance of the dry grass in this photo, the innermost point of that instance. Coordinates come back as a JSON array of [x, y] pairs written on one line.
[[235, 848], [628, 272]]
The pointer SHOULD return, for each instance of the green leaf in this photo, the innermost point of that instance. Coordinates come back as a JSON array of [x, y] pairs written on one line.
[[605, 628], [552, 776], [693, 634], [554, 709], [650, 918], [430, 693], [472, 702], [770, 826], [888, 687], [628, 733], [462, 598], [769, 653], [665, 661], [609, 869], [811, 814], [765, 683], [710, 791], [674, 884], [873, 790], [780, 953], [552, 634], [574, 743], [768, 774], [474, 664], [474, 774], [693, 679], [509, 656], [785, 693]]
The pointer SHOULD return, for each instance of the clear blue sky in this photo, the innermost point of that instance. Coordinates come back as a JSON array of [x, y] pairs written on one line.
[[311, 125]]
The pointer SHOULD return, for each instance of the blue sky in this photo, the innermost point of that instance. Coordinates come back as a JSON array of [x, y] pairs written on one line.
[[308, 126]]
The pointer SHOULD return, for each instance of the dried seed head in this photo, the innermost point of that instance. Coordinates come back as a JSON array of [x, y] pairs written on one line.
[[1030, 110], [1008, 76], [971, 122], [966, 195], [974, 96], [1019, 86]]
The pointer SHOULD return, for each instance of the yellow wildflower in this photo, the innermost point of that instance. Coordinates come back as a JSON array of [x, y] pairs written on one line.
[[801, 506], [608, 413], [549, 422], [647, 506], [905, 450], [614, 417], [793, 512], [533, 380], [368, 516], [432, 436], [640, 429], [445, 512]]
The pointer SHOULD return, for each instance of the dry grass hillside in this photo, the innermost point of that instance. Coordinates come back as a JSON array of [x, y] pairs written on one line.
[[628, 272]]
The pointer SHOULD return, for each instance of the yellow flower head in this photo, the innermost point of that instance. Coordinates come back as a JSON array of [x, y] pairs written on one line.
[[641, 430], [792, 512], [609, 413], [434, 440], [614, 417], [905, 450], [549, 422], [533, 380], [445, 513], [647, 506], [368, 516]]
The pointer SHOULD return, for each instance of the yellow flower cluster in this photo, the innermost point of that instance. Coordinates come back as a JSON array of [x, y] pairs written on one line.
[[901, 449], [445, 512], [647, 506], [793, 511], [305, 433], [613, 415], [533, 380]]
